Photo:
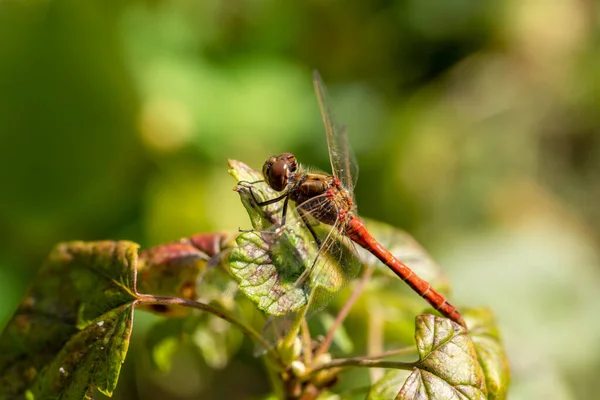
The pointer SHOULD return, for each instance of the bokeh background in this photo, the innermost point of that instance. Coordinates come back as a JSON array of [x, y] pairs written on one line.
[[475, 125]]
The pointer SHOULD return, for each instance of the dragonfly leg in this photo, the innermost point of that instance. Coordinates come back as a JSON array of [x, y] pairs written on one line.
[[272, 201], [248, 185], [281, 225], [284, 210], [309, 227], [285, 197]]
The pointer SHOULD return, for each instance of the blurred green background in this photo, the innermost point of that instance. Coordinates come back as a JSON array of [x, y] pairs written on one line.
[[475, 125]]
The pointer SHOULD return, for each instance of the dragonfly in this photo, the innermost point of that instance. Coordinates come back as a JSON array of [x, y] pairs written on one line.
[[324, 200]]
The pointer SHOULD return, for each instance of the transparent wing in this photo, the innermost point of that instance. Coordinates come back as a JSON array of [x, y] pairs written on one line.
[[335, 262], [343, 161], [335, 266], [351, 164]]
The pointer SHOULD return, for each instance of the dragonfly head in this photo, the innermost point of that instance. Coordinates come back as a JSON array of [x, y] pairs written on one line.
[[280, 170]]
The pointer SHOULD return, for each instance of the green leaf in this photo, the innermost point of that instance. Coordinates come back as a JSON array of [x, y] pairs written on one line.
[[388, 386], [490, 353], [71, 332], [268, 271], [448, 366]]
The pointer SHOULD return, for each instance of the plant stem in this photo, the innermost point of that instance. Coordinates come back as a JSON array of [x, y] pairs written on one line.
[[165, 300], [306, 340], [288, 340], [363, 362], [324, 347], [375, 337]]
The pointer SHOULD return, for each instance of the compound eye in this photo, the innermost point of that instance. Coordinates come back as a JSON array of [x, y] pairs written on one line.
[[266, 170], [275, 172], [290, 160]]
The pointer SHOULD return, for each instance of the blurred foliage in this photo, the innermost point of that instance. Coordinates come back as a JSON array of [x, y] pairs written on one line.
[[475, 126], [71, 332]]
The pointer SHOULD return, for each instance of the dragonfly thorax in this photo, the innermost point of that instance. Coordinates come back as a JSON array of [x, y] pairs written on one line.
[[319, 195], [280, 170], [322, 197]]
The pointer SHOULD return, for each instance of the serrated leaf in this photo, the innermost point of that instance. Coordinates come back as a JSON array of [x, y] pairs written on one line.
[[71, 332], [490, 352], [448, 366], [268, 271]]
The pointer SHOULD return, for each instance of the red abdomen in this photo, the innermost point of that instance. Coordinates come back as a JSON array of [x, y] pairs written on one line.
[[359, 234]]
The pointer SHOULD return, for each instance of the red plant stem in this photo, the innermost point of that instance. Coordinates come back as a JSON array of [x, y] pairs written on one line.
[[344, 311]]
